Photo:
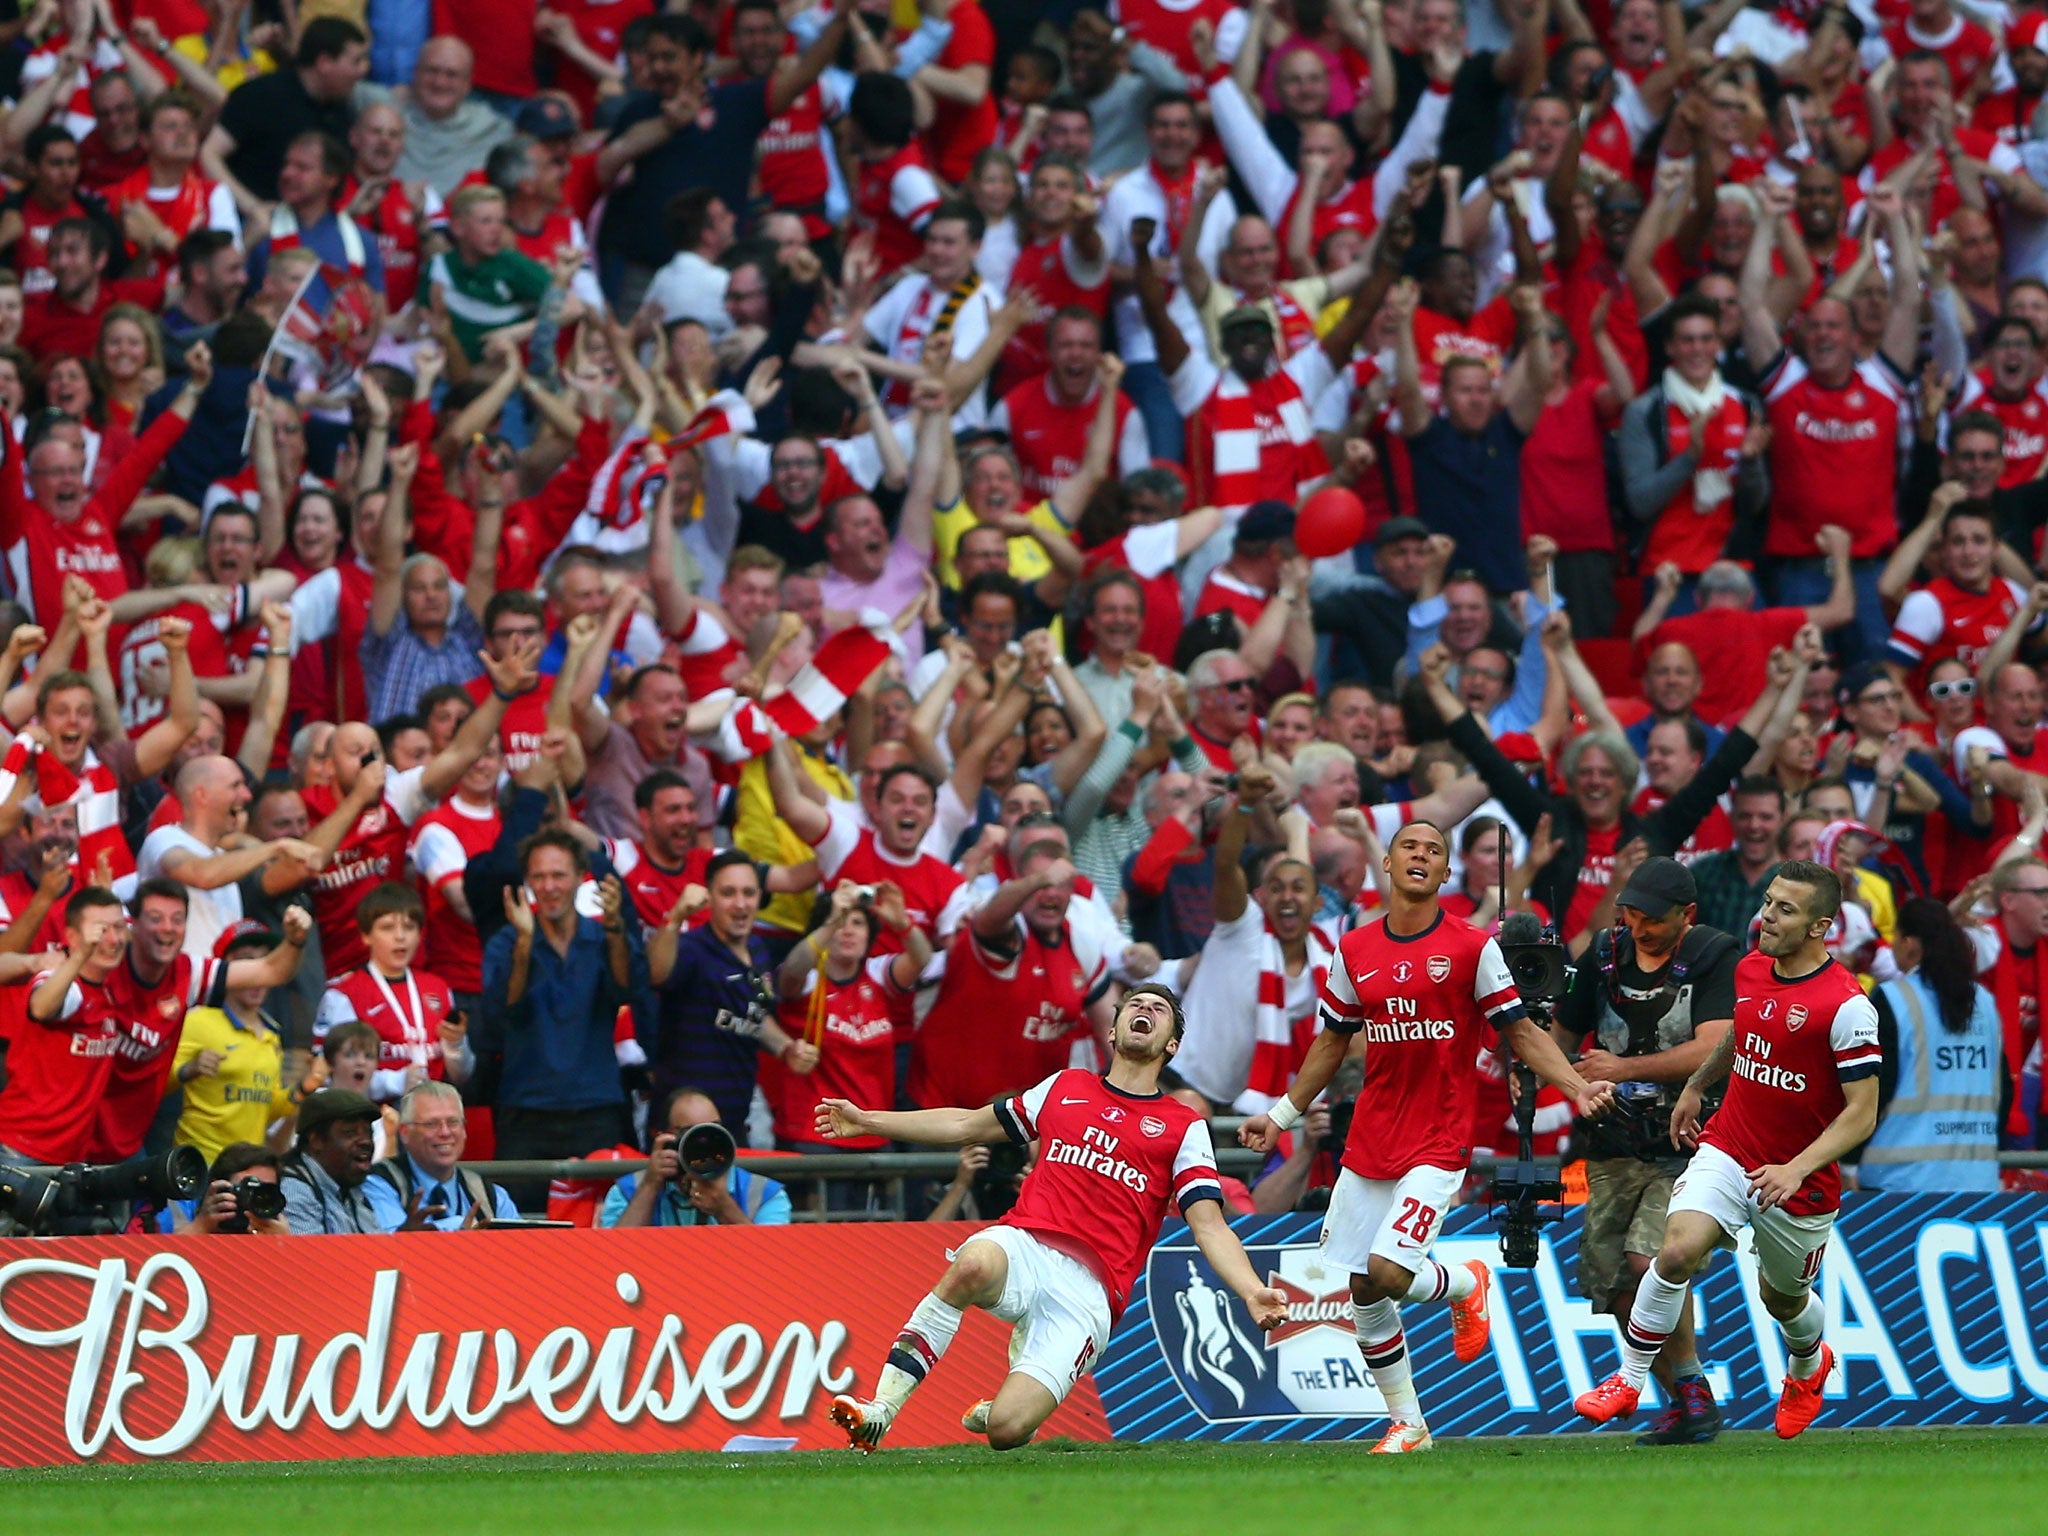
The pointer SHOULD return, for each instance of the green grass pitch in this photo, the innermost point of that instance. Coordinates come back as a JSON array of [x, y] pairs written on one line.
[[1959, 1482]]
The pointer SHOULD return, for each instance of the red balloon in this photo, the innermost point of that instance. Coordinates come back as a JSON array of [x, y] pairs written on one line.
[[1329, 523]]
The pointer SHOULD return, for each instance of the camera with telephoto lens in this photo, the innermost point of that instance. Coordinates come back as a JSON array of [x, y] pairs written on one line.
[[759, 1009], [707, 1152], [1526, 1192], [89, 1200]]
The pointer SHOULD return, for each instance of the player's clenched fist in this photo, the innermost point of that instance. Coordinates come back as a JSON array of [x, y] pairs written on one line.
[[1259, 1133]]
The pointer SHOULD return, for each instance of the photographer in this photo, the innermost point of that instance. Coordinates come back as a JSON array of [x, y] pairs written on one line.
[[1656, 995], [667, 1194], [424, 1188], [322, 1177], [229, 1206]]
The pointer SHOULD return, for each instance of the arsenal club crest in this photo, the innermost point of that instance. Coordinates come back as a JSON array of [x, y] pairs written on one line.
[[1439, 968], [1152, 1125], [1795, 1016]]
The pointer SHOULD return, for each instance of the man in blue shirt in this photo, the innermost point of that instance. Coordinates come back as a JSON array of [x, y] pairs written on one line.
[[314, 168], [423, 1189], [554, 983], [667, 1195], [713, 1026], [684, 133]]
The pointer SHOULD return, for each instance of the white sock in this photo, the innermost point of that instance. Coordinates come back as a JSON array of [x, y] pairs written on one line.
[[1385, 1349], [917, 1349], [1433, 1282], [1802, 1337], [1652, 1316]]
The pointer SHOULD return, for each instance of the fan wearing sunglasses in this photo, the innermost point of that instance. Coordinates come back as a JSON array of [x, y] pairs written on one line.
[[1951, 703]]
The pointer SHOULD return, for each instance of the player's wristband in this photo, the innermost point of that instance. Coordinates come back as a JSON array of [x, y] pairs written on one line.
[[1283, 1114]]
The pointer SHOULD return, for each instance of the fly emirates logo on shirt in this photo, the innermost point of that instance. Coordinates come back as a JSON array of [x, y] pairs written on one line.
[[1753, 1061], [1097, 1151], [1404, 1021]]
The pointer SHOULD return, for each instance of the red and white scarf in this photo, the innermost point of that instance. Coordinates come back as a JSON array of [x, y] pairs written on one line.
[[1297, 325], [1231, 415], [615, 491], [1280, 1044], [96, 793], [820, 690]]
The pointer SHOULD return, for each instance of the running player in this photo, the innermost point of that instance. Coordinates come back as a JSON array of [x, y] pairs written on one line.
[[1425, 987], [1804, 1059], [1113, 1152]]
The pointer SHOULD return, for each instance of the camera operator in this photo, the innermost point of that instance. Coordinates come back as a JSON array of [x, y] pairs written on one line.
[[424, 1188], [1656, 994], [229, 1206], [322, 1176], [668, 1194]]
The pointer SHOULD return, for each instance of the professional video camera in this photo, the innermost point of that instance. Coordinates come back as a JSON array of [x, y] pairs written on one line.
[[1526, 1192], [79, 1200]]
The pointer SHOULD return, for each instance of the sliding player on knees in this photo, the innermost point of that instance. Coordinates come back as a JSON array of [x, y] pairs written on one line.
[[1114, 1152], [1427, 990], [1802, 1068]]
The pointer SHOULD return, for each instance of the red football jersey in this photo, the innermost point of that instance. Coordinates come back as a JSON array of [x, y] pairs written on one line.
[[1000, 1022], [523, 724], [1108, 1163], [1714, 832], [57, 1072], [790, 161], [2025, 421], [1796, 1042], [407, 1015], [1428, 1003], [856, 1059], [447, 838], [16, 892], [1834, 457], [151, 1016], [895, 198], [1941, 620], [654, 891], [930, 889], [371, 852], [1050, 437]]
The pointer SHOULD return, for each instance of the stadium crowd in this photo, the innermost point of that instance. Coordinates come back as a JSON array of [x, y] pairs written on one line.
[[620, 568]]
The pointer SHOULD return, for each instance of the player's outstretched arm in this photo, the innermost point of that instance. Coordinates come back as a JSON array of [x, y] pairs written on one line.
[[928, 1127], [1227, 1257], [1547, 1058], [1685, 1114], [1325, 1055]]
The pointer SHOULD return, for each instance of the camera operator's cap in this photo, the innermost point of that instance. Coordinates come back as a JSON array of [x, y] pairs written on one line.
[[1657, 886], [2030, 31], [1395, 529], [332, 1104], [244, 930], [1265, 522], [1864, 675], [544, 118]]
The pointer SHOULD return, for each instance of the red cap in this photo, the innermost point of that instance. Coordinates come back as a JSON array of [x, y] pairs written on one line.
[[2030, 31], [241, 931], [1519, 747]]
